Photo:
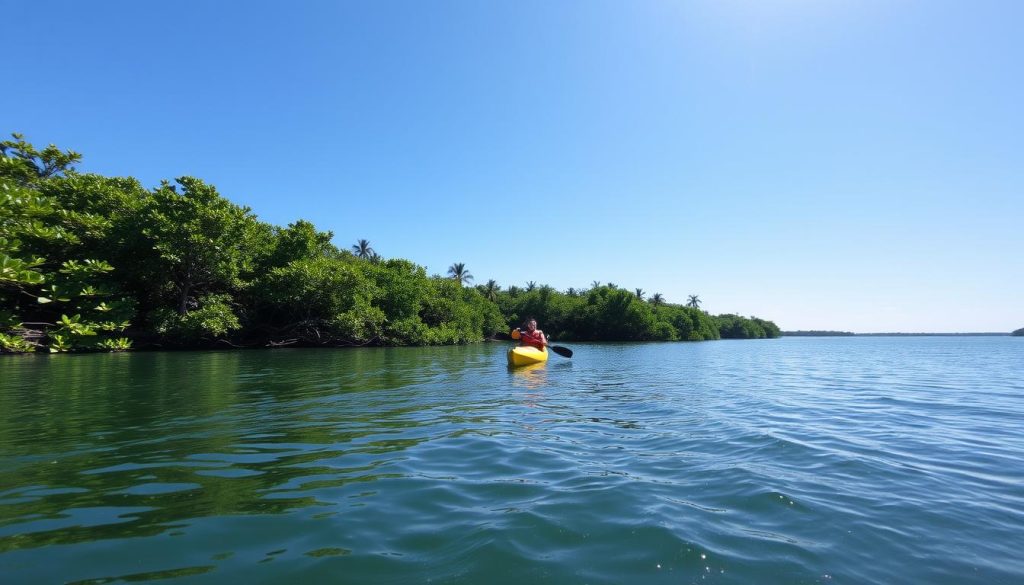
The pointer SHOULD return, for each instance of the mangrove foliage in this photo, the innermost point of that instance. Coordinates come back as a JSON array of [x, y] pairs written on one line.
[[89, 262]]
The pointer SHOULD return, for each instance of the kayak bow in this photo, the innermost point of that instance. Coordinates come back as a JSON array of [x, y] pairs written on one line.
[[526, 355]]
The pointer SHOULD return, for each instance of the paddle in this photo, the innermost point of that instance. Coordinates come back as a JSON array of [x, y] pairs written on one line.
[[562, 351]]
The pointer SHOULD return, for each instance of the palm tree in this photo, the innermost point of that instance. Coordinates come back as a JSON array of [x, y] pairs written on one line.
[[640, 293], [612, 285], [595, 284], [657, 300], [513, 291], [571, 291], [362, 249], [694, 301], [490, 290], [530, 286], [458, 272]]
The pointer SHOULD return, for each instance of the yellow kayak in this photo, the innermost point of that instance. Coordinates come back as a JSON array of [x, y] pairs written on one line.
[[525, 355]]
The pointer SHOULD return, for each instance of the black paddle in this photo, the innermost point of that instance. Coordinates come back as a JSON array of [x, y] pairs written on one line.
[[562, 351]]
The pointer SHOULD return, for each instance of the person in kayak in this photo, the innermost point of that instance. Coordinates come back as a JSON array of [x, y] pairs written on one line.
[[532, 335]]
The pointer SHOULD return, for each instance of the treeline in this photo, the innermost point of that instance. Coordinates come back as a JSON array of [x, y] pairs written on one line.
[[102, 263], [609, 313], [1018, 332]]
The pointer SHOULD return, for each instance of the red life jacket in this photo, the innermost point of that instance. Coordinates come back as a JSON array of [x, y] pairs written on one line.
[[527, 339]]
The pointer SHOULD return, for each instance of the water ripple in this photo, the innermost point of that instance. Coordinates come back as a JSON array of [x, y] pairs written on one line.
[[791, 461]]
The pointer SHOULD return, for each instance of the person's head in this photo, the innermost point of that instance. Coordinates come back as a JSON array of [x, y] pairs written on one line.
[[530, 323]]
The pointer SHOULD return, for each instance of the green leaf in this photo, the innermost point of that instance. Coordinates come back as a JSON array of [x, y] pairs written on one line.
[[29, 277]]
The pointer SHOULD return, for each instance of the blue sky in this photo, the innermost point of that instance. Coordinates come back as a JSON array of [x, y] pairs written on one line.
[[824, 164]]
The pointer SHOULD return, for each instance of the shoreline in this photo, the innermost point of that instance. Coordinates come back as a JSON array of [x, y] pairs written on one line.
[[892, 334]]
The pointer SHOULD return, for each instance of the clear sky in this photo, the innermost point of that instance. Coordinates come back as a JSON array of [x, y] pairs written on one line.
[[854, 165]]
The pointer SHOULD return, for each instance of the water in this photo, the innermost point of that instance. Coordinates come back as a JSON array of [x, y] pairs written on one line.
[[841, 460]]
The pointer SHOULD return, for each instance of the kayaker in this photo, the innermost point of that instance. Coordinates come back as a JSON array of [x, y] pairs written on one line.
[[532, 335]]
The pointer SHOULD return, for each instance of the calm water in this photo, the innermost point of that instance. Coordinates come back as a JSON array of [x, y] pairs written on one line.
[[863, 460]]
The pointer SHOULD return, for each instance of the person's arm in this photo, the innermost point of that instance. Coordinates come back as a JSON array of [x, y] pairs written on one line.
[[543, 338]]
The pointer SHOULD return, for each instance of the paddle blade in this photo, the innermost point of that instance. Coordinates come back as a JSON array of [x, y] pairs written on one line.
[[562, 351]]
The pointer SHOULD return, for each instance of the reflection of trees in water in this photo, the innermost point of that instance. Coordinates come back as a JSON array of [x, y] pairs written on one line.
[[246, 432], [226, 482]]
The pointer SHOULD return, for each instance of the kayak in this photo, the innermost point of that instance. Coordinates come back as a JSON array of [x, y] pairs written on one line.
[[525, 355]]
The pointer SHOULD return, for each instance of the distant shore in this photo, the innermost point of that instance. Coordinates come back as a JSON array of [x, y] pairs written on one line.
[[892, 334]]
